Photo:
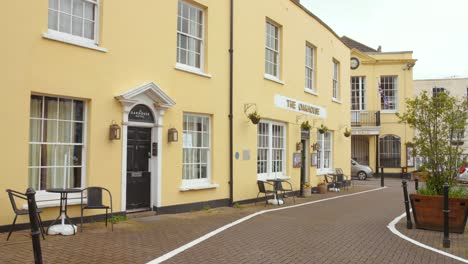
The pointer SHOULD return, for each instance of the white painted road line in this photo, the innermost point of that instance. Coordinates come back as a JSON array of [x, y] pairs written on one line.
[[392, 228], [221, 229]]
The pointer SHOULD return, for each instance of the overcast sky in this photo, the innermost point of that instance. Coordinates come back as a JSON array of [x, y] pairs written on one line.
[[436, 31]]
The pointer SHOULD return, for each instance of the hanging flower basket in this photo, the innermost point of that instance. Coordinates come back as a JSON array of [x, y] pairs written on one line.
[[322, 129], [305, 125], [254, 117], [347, 132]]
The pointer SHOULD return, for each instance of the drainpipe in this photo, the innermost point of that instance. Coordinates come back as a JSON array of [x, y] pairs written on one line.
[[231, 88]]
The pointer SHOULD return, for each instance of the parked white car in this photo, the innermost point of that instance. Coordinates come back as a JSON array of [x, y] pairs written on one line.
[[362, 172]]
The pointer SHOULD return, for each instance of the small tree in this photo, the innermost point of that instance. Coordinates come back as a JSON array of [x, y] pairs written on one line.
[[439, 122]]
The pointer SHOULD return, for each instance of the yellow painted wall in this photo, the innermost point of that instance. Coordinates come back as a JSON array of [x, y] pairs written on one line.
[[374, 65], [141, 44], [297, 28]]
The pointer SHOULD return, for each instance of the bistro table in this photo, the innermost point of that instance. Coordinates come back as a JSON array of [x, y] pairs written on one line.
[[62, 228], [335, 188], [276, 185]]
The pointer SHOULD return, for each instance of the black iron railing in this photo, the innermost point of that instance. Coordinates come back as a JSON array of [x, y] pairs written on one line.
[[365, 118]]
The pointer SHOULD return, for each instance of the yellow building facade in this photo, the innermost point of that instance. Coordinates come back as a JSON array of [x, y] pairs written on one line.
[[380, 84], [159, 71]]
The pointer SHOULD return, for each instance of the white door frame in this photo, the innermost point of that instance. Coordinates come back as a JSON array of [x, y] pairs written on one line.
[[158, 102]]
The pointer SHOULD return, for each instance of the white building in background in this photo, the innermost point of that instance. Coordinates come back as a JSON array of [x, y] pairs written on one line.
[[454, 86]]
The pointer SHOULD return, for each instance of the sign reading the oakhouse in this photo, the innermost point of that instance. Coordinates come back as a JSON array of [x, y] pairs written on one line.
[[299, 106], [141, 113]]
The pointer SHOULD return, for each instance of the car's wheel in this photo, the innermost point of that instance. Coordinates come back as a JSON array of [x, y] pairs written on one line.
[[362, 176]]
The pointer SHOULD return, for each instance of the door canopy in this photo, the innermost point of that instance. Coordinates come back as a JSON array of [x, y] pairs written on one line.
[[148, 93]]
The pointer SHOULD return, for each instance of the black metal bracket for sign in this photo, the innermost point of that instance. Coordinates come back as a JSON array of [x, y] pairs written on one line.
[[154, 149]]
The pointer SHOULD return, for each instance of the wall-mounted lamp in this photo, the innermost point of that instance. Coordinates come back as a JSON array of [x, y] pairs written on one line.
[[114, 131], [172, 135]]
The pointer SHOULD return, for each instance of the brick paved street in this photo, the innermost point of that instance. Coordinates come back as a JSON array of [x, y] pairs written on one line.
[[345, 230]]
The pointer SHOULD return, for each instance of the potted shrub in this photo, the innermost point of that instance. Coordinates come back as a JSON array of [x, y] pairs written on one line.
[[437, 120], [347, 132], [306, 189], [322, 129], [305, 125], [254, 117], [322, 187]]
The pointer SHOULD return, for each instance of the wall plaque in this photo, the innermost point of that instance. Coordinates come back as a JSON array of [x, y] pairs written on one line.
[[297, 160]]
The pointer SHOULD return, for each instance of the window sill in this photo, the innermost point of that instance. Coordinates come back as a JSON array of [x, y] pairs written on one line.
[[56, 203], [72, 41], [336, 101], [273, 79], [388, 111], [309, 91], [323, 172], [195, 187], [185, 68]]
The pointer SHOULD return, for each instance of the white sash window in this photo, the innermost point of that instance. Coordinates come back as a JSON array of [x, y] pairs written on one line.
[[271, 150]]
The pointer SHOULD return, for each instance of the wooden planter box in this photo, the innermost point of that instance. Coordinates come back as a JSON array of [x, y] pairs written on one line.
[[322, 188], [427, 212]]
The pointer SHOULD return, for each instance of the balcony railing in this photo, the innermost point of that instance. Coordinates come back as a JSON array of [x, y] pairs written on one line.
[[365, 118]]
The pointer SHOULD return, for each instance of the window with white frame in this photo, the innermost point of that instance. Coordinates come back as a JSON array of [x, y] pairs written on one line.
[[272, 50], [390, 91], [77, 18], [309, 68], [271, 149], [56, 142], [196, 149], [336, 83], [437, 90], [390, 151], [358, 93], [324, 152], [190, 31]]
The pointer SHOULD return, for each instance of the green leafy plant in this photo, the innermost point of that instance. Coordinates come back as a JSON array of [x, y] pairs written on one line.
[[254, 117], [306, 185], [206, 207], [454, 192], [238, 206], [439, 121], [322, 129], [305, 125], [117, 218]]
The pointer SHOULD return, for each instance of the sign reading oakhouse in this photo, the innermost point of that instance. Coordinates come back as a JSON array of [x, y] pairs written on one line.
[[141, 113], [299, 106]]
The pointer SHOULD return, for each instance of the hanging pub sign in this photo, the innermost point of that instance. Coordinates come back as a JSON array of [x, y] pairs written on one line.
[[305, 134], [141, 113]]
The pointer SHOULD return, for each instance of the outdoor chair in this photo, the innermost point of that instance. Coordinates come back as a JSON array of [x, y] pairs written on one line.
[[94, 200], [344, 179], [13, 195], [263, 189], [280, 187]]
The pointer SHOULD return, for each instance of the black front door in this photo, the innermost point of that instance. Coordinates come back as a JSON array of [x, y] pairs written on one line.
[[138, 176]]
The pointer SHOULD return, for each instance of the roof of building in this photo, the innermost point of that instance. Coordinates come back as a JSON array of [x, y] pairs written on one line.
[[352, 44]]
